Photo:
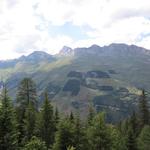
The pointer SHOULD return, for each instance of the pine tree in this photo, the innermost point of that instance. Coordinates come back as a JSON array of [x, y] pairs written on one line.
[[56, 118], [118, 140], [8, 131], [71, 117], [90, 115], [47, 123], [143, 110], [29, 122], [134, 124], [64, 136], [98, 134], [80, 140], [35, 144], [56, 115], [144, 139], [129, 133], [26, 95], [131, 139]]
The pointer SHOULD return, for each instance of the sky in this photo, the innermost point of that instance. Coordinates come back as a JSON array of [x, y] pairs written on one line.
[[48, 25]]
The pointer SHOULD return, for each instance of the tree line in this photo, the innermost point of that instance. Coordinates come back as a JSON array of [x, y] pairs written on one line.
[[25, 126]]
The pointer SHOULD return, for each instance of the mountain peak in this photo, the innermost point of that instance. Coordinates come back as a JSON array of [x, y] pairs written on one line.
[[38, 56], [66, 51], [38, 53], [95, 46]]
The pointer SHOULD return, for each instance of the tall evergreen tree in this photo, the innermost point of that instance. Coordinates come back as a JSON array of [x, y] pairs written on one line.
[[80, 139], [144, 139], [8, 130], [56, 119], [90, 115], [47, 123], [98, 134], [143, 110], [65, 135], [118, 140], [131, 139], [56, 116], [129, 132], [71, 117], [134, 123], [29, 122], [26, 95]]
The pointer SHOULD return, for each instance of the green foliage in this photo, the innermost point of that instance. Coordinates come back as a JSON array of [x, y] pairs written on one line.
[[98, 134], [144, 138], [27, 93], [134, 122], [56, 116], [29, 122], [43, 128], [90, 115], [71, 117], [79, 135], [46, 127], [26, 108], [118, 140], [70, 148], [8, 130], [64, 136], [131, 139], [143, 110], [35, 144]]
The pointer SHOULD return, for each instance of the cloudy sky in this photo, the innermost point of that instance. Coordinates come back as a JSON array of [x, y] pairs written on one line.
[[28, 25]]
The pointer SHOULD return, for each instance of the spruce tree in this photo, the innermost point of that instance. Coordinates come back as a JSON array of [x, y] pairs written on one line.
[[80, 140], [35, 144], [118, 140], [29, 122], [8, 126], [71, 117], [26, 95], [129, 132], [64, 136], [90, 115], [131, 139], [56, 116], [47, 123], [98, 134], [144, 139], [143, 110], [134, 123]]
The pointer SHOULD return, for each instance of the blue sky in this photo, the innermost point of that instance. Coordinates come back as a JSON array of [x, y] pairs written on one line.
[[29, 25]]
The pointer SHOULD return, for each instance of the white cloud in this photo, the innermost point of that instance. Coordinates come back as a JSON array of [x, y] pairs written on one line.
[[111, 21]]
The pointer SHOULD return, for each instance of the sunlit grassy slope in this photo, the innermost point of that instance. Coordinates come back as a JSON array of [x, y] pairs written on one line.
[[129, 73]]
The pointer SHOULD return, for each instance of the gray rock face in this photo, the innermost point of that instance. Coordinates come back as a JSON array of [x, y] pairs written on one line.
[[66, 51]]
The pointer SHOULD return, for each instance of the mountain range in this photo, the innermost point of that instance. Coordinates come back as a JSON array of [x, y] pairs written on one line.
[[110, 78]]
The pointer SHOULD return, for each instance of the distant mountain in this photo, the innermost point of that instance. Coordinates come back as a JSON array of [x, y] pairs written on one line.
[[110, 78], [38, 56], [66, 51], [35, 57]]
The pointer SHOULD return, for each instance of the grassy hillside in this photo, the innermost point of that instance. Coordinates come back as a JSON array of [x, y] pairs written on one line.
[[109, 78]]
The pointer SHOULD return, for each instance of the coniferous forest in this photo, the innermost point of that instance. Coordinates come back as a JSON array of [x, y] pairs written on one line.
[[24, 125]]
